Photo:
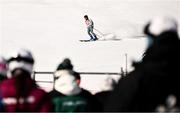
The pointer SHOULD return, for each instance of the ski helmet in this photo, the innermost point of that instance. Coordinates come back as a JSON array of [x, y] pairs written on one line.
[[21, 59]]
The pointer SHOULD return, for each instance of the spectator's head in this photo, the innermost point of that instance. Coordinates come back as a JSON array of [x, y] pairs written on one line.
[[66, 78], [21, 62], [65, 82], [108, 83], [158, 26], [3, 68], [65, 65], [86, 17]]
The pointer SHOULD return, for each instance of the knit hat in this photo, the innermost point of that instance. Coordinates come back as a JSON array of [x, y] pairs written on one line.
[[65, 64], [159, 25]]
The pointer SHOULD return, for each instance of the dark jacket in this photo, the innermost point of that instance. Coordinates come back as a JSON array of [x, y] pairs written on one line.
[[153, 80], [102, 97]]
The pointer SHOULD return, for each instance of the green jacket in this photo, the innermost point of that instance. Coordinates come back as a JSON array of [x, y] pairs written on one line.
[[83, 102]]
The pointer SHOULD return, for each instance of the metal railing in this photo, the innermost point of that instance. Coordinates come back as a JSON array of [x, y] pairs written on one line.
[[81, 73]]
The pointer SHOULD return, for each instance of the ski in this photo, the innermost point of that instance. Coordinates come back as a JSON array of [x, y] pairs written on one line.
[[85, 40]]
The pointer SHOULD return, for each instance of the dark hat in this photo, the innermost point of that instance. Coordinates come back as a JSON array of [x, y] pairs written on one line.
[[65, 64]]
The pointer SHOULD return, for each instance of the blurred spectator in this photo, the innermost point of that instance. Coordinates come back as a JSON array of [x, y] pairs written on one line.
[[3, 68], [156, 77], [19, 92], [3, 76], [67, 95], [108, 85]]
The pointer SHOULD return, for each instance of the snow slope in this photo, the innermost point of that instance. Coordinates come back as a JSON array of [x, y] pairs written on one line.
[[52, 28]]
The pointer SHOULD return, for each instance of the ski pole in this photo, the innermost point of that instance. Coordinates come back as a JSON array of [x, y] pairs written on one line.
[[99, 31]]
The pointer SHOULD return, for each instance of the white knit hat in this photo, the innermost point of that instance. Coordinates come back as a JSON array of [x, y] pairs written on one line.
[[161, 24]]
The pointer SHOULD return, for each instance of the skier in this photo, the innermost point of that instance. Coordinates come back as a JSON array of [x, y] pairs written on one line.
[[90, 26]]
